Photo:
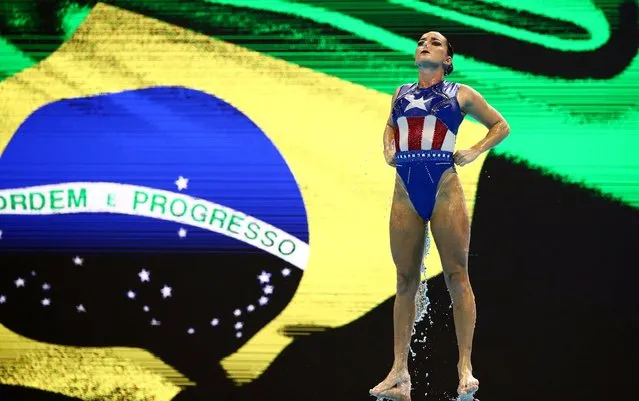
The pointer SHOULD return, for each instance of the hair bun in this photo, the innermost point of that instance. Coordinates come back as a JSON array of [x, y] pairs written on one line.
[[448, 69]]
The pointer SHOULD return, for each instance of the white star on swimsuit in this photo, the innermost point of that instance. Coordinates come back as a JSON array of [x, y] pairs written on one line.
[[414, 103]]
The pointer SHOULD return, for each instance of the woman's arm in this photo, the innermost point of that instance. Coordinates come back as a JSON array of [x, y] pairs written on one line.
[[474, 104]]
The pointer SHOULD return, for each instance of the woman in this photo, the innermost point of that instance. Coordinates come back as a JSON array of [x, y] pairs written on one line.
[[419, 141]]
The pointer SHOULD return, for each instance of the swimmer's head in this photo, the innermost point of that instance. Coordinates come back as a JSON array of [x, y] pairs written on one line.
[[434, 50]]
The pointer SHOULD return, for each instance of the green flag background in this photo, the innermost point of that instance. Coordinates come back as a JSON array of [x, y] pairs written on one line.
[[554, 208]]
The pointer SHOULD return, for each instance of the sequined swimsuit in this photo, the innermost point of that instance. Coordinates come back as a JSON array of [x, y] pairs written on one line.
[[426, 121]]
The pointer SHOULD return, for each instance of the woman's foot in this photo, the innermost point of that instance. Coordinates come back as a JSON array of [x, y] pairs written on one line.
[[399, 392], [394, 378], [468, 385]]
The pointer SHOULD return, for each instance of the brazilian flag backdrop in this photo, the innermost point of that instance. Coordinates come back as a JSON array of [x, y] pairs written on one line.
[[193, 202]]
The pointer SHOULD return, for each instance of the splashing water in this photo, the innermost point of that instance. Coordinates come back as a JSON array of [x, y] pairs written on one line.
[[465, 397], [422, 302]]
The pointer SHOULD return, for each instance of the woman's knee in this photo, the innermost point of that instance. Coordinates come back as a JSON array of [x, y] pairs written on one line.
[[458, 283], [408, 280]]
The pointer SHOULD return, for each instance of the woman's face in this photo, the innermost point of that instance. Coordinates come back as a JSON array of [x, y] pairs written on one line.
[[432, 50]]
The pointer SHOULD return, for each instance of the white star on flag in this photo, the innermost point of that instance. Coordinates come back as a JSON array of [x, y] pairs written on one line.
[[239, 325], [181, 233], [19, 282], [33, 274], [46, 302], [0, 234], [414, 103], [237, 312], [3, 299], [263, 301], [182, 183], [238, 334], [130, 294], [155, 322], [268, 289], [146, 308], [215, 322], [166, 291], [80, 308], [144, 275], [46, 286], [191, 330], [264, 277], [78, 261], [286, 271], [250, 308]]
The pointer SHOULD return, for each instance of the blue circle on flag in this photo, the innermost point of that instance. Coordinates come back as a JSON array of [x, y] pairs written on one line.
[[171, 139]]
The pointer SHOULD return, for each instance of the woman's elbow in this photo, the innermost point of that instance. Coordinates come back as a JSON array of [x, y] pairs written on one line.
[[505, 128]]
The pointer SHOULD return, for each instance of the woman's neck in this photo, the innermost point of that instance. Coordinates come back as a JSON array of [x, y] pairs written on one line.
[[429, 77]]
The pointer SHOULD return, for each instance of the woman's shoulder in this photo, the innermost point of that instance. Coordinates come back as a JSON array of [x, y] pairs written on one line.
[[402, 89], [452, 85], [406, 87]]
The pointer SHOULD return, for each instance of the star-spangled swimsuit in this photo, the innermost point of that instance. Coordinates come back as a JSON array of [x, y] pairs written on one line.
[[426, 122]]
